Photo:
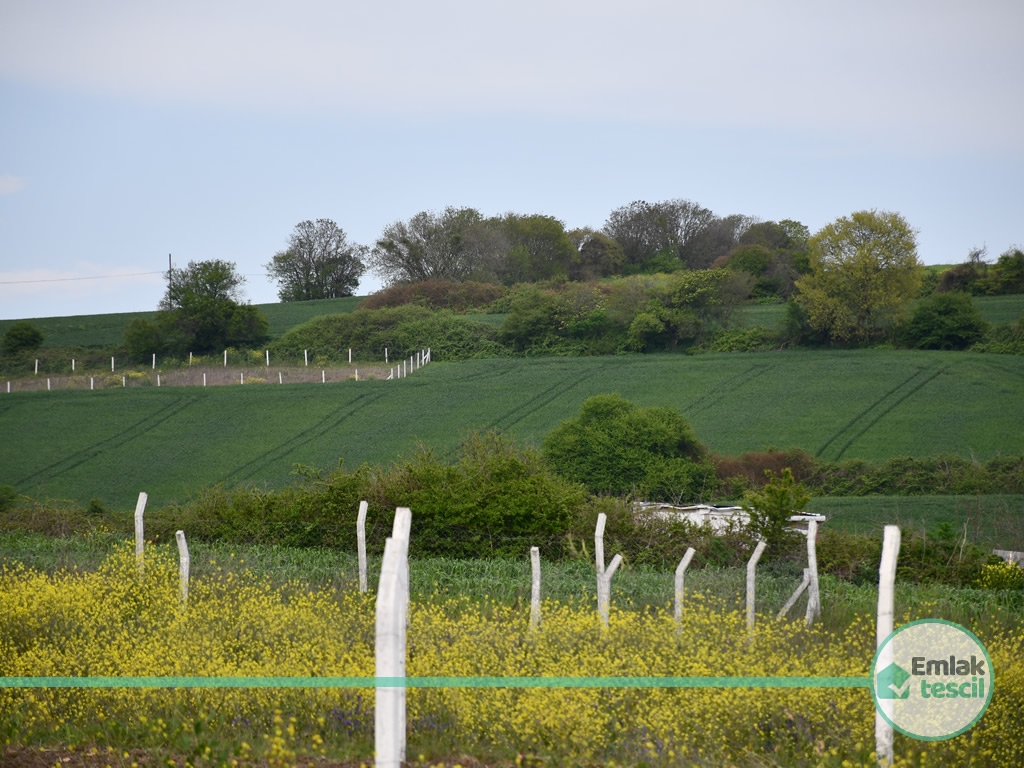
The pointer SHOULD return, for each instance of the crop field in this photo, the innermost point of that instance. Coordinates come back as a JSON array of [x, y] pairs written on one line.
[[873, 404]]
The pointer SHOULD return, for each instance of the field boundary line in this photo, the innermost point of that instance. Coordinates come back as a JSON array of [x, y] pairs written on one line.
[[436, 682]]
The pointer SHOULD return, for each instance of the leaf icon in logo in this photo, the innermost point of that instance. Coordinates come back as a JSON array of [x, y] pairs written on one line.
[[893, 682]]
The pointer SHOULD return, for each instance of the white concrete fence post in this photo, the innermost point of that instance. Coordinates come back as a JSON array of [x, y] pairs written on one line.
[[535, 588], [184, 565], [813, 595], [680, 572], [140, 535], [751, 583], [390, 644], [884, 628], [604, 575], [361, 543]]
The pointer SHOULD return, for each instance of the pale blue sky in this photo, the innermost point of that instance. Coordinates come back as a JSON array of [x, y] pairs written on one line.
[[209, 129]]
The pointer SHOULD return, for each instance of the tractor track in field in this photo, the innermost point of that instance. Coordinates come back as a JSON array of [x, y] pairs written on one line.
[[725, 389], [531, 405], [546, 396], [881, 408], [331, 421], [139, 428]]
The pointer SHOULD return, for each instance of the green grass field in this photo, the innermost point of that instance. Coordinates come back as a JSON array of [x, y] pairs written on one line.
[[873, 404], [108, 330]]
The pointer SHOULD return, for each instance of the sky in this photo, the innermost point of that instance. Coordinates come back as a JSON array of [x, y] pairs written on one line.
[[134, 135]]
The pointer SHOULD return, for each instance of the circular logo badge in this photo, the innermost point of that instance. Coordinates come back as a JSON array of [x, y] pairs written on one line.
[[932, 679]]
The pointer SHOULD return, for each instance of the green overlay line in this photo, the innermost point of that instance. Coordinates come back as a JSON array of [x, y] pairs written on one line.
[[435, 682]]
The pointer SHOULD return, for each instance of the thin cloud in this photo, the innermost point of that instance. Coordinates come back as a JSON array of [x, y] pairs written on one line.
[[10, 185], [937, 73]]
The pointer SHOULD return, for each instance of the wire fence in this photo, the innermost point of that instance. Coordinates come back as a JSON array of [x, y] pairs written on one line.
[[233, 367]]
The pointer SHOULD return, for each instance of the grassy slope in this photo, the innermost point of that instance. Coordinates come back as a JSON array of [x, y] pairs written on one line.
[[111, 444], [108, 330]]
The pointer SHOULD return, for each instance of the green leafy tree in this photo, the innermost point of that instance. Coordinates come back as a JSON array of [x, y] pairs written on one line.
[[537, 248], [1007, 274], [319, 263], [597, 255], [945, 321], [771, 507], [22, 337], [616, 447], [864, 276], [197, 312], [143, 338]]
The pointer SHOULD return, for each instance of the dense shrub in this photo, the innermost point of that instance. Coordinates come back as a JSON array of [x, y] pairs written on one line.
[[436, 294], [616, 447], [402, 330], [22, 337], [143, 338], [1003, 340], [562, 319], [495, 500], [748, 470], [906, 476], [754, 339], [944, 321]]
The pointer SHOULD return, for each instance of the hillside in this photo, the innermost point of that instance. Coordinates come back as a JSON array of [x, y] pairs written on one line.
[[171, 441]]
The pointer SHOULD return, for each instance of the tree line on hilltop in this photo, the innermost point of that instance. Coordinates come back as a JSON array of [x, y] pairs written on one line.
[[656, 276]]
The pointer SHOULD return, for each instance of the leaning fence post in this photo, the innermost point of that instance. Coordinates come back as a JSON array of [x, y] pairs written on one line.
[[813, 595], [883, 628], [680, 571], [751, 576], [184, 564], [140, 510], [535, 588], [361, 542], [796, 594]]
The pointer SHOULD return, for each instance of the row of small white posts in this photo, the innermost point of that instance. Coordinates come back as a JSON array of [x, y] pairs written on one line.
[[392, 609], [414, 362], [420, 357]]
